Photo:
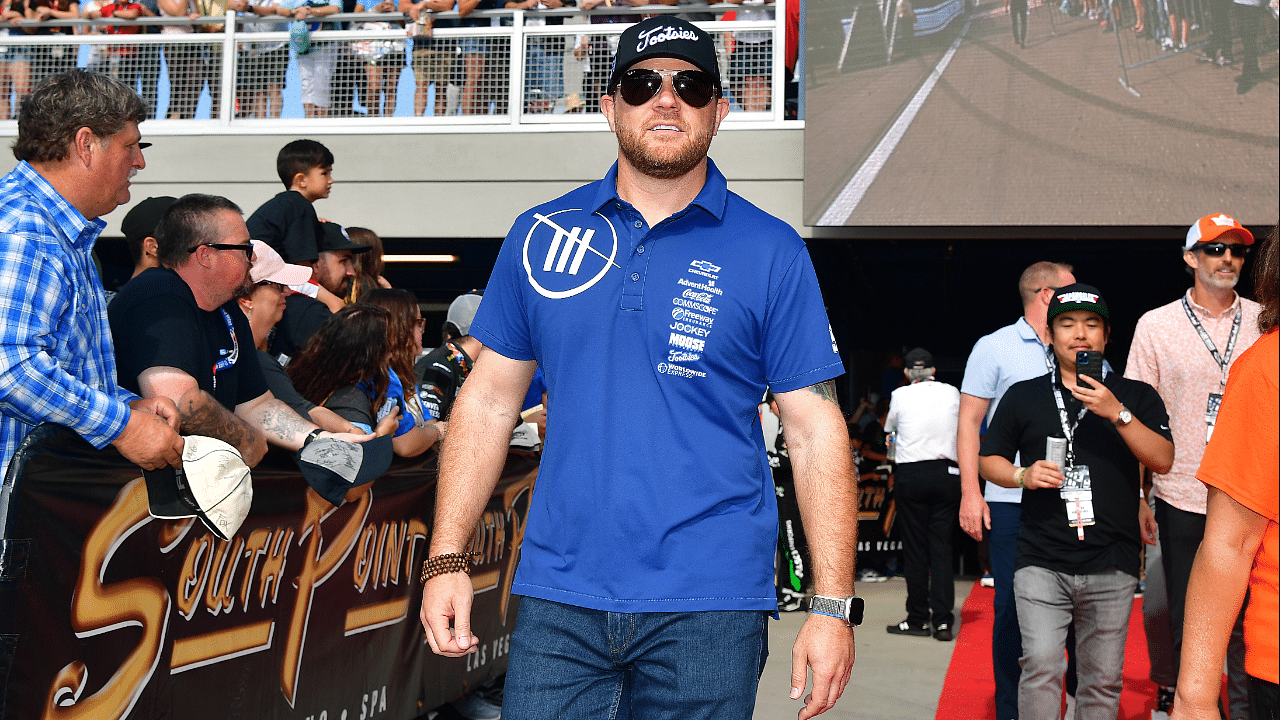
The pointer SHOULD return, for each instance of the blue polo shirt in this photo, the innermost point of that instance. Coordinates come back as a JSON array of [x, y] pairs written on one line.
[[656, 344], [1009, 355]]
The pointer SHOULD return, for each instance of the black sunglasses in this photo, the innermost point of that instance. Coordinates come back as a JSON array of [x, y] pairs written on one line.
[[694, 87], [1220, 249], [247, 248]]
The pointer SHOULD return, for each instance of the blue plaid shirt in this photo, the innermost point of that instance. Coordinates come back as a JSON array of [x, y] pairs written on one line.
[[57, 363]]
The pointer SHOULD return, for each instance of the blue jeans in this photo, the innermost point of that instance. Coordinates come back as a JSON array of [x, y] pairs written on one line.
[[1006, 641], [1099, 605], [572, 662]]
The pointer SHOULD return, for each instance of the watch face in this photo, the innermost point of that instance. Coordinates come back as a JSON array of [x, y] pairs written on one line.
[[855, 609]]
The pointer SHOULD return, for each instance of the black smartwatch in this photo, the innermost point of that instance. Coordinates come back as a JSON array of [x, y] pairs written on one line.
[[848, 609]]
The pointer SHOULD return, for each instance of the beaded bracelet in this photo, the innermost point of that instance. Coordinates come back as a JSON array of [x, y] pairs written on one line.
[[447, 563], [1020, 476]]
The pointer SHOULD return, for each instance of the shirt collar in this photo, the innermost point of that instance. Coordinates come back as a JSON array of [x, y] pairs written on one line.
[[1026, 332], [80, 232], [1204, 311], [712, 198]]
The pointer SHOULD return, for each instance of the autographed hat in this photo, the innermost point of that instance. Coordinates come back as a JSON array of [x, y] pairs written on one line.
[[335, 238], [463, 310], [918, 358], [268, 266], [665, 36], [214, 485], [1077, 296], [1208, 228], [141, 220], [332, 467]]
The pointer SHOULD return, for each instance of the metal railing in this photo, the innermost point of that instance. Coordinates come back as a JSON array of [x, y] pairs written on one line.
[[518, 72]]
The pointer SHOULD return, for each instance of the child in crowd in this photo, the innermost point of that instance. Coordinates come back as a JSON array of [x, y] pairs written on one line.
[[288, 222]]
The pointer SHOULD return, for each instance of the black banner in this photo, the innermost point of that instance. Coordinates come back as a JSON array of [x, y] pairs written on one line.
[[307, 613]]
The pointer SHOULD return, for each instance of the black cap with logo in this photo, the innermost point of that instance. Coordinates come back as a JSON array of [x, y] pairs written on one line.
[[665, 36]]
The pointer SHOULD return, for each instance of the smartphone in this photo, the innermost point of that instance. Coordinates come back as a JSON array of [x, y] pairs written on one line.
[[1088, 362]]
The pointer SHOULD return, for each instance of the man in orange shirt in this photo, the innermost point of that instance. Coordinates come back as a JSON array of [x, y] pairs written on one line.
[[1241, 547]]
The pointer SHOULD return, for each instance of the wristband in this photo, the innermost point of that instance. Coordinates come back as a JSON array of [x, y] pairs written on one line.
[[1020, 475], [312, 436], [447, 563]]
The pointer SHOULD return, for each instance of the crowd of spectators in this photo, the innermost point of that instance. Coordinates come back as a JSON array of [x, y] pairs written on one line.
[[467, 75]]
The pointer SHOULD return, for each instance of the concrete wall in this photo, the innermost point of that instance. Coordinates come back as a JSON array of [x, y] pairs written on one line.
[[447, 184]]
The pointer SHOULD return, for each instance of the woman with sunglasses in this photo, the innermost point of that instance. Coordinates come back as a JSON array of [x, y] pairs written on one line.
[[344, 367], [263, 304], [405, 336]]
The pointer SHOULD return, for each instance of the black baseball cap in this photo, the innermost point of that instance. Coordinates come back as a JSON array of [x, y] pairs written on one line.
[[668, 37], [335, 238], [141, 220], [918, 358], [1077, 296]]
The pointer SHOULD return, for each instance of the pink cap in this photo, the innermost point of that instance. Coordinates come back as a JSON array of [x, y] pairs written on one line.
[[269, 266]]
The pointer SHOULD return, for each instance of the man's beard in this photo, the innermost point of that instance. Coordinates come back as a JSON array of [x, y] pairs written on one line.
[[669, 162], [1214, 280], [245, 287]]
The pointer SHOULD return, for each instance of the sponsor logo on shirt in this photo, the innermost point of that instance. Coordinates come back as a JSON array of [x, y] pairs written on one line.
[[568, 251], [689, 316], [667, 368]]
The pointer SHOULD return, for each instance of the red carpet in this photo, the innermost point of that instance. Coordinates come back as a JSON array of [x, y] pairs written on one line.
[[967, 693]]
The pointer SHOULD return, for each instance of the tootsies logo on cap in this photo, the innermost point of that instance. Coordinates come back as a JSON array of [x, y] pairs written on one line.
[[666, 33], [1078, 297]]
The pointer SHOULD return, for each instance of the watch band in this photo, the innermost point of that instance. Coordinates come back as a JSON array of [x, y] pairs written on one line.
[[848, 609]]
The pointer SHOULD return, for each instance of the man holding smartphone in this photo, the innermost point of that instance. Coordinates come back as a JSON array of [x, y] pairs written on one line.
[[1080, 541], [1185, 350]]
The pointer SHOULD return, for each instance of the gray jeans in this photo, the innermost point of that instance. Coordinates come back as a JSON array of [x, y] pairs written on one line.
[[1099, 604]]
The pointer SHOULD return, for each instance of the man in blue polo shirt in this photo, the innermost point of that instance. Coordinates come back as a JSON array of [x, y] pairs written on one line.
[[659, 306]]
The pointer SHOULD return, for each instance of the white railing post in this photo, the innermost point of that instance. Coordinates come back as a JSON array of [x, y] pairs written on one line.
[[515, 85], [227, 105], [778, 88]]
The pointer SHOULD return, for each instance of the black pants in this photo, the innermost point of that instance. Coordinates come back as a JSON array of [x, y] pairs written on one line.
[[1220, 39], [928, 503], [1018, 14], [1264, 701]]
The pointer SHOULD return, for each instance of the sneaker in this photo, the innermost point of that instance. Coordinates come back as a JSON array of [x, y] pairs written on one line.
[[906, 628], [987, 581], [869, 575], [1166, 43], [1164, 703], [475, 707], [942, 632]]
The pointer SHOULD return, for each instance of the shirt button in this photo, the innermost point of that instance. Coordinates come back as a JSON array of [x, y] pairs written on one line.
[[635, 277], [639, 224], [640, 249]]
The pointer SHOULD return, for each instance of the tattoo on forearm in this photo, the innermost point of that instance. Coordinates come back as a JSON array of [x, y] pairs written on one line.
[[282, 423], [203, 415], [825, 390]]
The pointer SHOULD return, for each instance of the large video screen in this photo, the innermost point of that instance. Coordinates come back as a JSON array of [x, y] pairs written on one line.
[[1063, 113]]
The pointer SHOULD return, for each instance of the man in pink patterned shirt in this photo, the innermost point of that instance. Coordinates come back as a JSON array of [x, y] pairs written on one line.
[[1185, 350]]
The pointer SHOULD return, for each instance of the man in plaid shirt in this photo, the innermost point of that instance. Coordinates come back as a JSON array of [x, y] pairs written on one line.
[[77, 148]]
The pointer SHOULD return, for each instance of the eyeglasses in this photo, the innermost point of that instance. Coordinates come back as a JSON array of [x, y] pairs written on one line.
[[267, 283], [247, 248], [694, 87], [1220, 249]]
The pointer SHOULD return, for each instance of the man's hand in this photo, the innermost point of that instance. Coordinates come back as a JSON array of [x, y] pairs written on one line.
[[350, 437], [975, 515], [1147, 522], [1098, 398], [148, 441], [825, 645], [444, 598], [159, 405], [1043, 474], [1182, 710]]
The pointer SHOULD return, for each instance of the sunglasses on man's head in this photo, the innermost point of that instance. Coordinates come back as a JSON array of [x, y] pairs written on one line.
[[694, 87], [1220, 249]]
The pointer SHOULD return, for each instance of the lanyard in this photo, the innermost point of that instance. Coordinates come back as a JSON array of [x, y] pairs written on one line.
[[229, 359], [1223, 362], [1069, 429]]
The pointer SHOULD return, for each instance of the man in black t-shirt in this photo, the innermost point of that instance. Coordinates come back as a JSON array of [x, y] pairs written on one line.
[[1083, 521], [179, 333]]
